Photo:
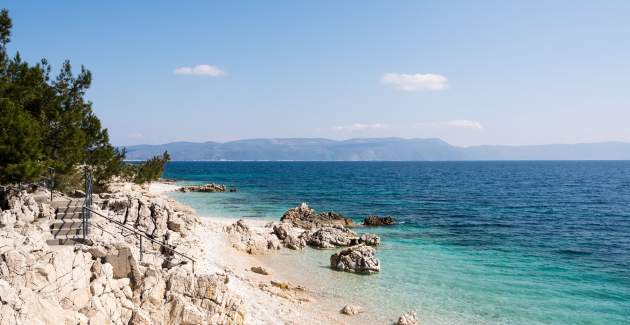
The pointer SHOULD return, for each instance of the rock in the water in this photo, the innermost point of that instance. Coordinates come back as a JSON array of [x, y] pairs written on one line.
[[306, 218], [351, 310], [378, 221], [331, 237], [370, 239], [204, 188], [260, 270], [408, 318], [356, 259]]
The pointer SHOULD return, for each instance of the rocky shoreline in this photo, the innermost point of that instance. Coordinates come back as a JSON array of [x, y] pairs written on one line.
[[106, 280], [109, 281]]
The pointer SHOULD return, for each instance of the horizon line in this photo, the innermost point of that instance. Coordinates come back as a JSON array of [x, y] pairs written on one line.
[[376, 138]]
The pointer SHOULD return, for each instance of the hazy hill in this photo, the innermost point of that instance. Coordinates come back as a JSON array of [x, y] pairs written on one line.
[[375, 149]]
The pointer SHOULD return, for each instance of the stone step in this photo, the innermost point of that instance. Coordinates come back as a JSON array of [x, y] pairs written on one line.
[[70, 215], [66, 240], [67, 224], [76, 231], [67, 209], [66, 203]]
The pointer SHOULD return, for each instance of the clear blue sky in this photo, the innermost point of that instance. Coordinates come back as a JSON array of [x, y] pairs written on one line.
[[469, 72]]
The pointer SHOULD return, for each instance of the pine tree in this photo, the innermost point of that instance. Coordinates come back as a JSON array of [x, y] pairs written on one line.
[[53, 118]]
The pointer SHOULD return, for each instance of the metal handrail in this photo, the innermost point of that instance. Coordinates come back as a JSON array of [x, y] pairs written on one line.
[[140, 235]]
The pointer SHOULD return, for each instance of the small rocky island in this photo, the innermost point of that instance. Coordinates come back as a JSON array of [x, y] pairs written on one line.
[[378, 221], [206, 188]]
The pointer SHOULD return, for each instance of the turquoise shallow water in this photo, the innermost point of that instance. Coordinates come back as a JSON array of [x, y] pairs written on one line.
[[478, 243]]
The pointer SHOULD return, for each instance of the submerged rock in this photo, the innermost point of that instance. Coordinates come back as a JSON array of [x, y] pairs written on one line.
[[356, 259], [408, 318], [306, 218], [260, 270], [378, 221], [351, 310]]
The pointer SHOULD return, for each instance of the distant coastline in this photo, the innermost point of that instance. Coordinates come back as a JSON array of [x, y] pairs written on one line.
[[374, 149]]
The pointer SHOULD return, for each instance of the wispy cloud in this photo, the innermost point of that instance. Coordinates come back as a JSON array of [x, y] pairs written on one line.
[[360, 127], [415, 82], [135, 135], [200, 70], [461, 124]]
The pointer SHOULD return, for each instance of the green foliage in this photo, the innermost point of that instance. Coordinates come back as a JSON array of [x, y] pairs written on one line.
[[151, 169], [20, 148], [47, 122]]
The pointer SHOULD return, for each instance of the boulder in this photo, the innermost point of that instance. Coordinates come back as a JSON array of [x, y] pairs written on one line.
[[370, 239], [306, 218], [356, 259], [331, 237], [378, 221], [351, 310], [121, 259], [408, 318]]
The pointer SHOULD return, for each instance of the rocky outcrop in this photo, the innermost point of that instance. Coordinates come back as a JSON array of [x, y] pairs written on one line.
[[351, 310], [306, 218], [356, 259], [18, 207], [408, 318], [249, 240], [332, 237], [378, 221], [208, 188], [107, 282]]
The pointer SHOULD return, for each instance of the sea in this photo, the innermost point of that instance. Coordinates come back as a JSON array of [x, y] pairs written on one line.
[[514, 242]]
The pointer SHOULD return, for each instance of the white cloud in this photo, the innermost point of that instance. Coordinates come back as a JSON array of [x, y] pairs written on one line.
[[360, 127], [415, 82], [467, 124], [462, 124], [200, 70]]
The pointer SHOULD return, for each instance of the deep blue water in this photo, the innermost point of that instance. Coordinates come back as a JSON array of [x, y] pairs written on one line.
[[479, 242]]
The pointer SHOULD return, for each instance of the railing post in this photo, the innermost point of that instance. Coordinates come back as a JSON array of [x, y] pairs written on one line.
[[140, 247], [51, 173], [87, 204], [85, 211]]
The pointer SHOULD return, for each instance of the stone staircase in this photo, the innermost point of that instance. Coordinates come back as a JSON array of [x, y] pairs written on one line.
[[67, 228]]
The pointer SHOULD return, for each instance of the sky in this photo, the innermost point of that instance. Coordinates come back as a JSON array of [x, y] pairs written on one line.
[[468, 72]]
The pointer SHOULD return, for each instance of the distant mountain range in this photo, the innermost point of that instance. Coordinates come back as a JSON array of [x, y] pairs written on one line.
[[394, 149]]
